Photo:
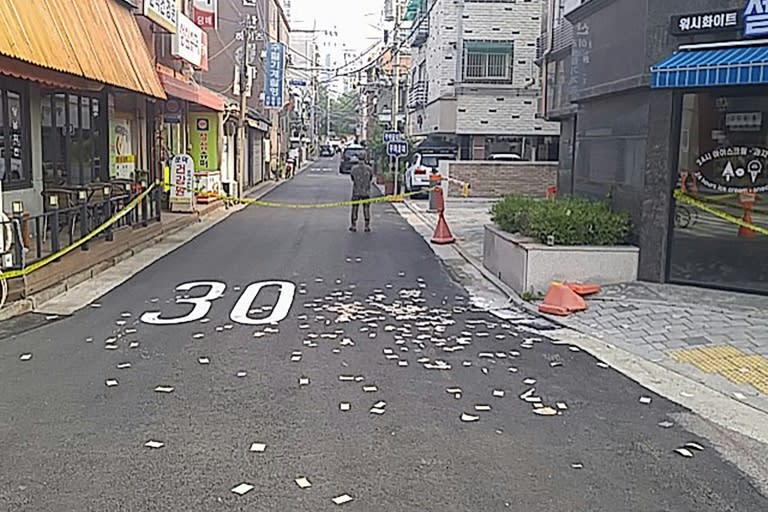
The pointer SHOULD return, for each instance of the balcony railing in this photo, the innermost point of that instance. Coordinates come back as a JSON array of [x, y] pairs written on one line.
[[562, 36], [417, 95], [542, 45], [421, 34]]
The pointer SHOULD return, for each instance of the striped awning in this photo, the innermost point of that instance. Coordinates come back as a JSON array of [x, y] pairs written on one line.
[[747, 65]]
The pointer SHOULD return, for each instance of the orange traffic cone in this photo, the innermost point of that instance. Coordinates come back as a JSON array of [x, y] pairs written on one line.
[[584, 289], [561, 300], [745, 232], [442, 233]]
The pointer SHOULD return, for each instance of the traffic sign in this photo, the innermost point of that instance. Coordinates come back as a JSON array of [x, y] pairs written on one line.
[[393, 136], [397, 148]]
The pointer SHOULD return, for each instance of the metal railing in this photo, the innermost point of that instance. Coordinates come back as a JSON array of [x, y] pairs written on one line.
[[36, 237], [417, 95]]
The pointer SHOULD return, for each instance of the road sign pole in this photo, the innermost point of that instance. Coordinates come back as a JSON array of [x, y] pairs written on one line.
[[397, 175]]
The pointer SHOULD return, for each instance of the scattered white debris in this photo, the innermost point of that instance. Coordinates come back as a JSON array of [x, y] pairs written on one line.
[[562, 406], [603, 365], [555, 364], [529, 382], [154, 444], [694, 446], [341, 500], [577, 465], [545, 411], [469, 418], [645, 400], [257, 447], [164, 389], [203, 360], [378, 411], [684, 452], [123, 366], [739, 396], [482, 408], [380, 404], [242, 374], [198, 336], [370, 389], [303, 381], [303, 483], [134, 344], [666, 424], [574, 349], [499, 393], [111, 383], [25, 357], [512, 369], [242, 489], [345, 406]]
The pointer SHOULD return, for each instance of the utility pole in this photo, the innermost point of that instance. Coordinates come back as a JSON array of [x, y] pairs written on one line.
[[396, 84], [328, 112], [245, 87]]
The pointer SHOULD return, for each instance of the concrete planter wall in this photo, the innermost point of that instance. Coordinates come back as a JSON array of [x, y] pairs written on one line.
[[528, 266]]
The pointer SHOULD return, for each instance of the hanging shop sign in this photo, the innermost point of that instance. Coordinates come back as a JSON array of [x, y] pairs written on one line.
[[204, 141], [188, 42], [274, 77], [734, 169], [163, 12], [205, 13], [172, 111], [713, 21]]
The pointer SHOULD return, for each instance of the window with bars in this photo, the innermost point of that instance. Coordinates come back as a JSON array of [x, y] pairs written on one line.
[[15, 155], [488, 61]]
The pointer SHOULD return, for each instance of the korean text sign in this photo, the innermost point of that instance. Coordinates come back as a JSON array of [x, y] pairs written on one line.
[[204, 141], [274, 76]]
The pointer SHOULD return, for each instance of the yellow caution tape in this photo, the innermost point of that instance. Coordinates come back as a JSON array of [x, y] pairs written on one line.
[[90, 236], [683, 198]]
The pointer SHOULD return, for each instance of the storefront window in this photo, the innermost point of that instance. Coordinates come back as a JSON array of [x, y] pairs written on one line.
[[15, 167], [73, 139], [722, 178]]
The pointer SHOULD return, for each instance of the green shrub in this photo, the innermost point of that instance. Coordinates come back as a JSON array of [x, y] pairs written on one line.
[[562, 221]]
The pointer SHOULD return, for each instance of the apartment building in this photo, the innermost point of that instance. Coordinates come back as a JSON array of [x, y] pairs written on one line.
[[303, 69], [474, 82]]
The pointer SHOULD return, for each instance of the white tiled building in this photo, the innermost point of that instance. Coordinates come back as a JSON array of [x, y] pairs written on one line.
[[474, 80]]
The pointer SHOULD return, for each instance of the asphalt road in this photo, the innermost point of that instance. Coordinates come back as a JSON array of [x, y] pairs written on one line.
[[374, 307]]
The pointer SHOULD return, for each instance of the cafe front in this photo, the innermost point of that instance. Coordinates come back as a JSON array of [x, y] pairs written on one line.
[[719, 219]]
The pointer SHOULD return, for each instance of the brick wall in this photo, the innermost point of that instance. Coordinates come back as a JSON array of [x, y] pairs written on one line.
[[496, 179]]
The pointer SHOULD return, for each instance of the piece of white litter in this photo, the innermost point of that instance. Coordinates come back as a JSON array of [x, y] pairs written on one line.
[[198, 336], [341, 500], [402, 363], [545, 411], [257, 447], [242, 489], [529, 382], [375, 410], [484, 370], [203, 360], [498, 393], [295, 359], [242, 374], [562, 406], [370, 389], [130, 330], [739, 396], [666, 424], [512, 369], [134, 344], [555, 364], [453, 391], [482, 408], [684, 452], [538, 405], [645, 400], [574, 349], [469, 418], [164, 389], [359, 378], [25, 357], [603, 365], [123, 366], [346, 378], [303, 381], [110, 346], [694, 446], [380, 404], [154, 444], [112, 383], [303, 483], [345, 406], [577, 465], [685, 394]]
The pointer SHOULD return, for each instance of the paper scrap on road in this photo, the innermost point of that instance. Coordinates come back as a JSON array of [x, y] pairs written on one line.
[[198, 336], [242, 374], [341, 500], [561, 406], [694, 446], [603, 365], [684, 452], [529, 382], [134, 344], [258, 447], [666, 424], [469, 418], [25, 357], [645, 400], [545, 411], [345, 406], [164, 389], [303, 483], [203, 360], [242, 489], [123, 366], [577, 465], [303, 381], [482, 408], [498, 393], [154, 444], [111, 383], [376, 410]]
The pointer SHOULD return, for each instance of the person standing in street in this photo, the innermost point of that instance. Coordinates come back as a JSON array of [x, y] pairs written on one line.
[[362, 175]]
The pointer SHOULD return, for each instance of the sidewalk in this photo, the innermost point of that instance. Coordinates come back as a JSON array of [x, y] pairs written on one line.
[[716, 338]]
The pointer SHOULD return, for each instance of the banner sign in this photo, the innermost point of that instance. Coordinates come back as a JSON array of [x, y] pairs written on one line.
[[163, 12], [274, 76], [204, 141], [205, 13], [182, 179], [188, 42]]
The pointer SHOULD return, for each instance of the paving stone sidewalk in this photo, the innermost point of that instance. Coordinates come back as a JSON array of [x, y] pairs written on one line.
[[718, 338]]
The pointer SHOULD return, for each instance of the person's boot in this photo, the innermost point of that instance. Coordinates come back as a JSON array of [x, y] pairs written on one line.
[[367, 228], [353, 229]]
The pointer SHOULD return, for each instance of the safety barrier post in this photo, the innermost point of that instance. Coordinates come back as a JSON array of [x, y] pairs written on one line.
[[435, 181], [82, 198], [157, 200], [129, 219], [17, 208], [53, 202], [144, 213], [109, 235]]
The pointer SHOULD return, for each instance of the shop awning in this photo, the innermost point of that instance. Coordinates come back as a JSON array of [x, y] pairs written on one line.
[[94, 39], [192, 92], [746, 65]]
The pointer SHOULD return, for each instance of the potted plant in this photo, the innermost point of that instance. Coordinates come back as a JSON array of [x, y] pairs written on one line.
[[388, 180]]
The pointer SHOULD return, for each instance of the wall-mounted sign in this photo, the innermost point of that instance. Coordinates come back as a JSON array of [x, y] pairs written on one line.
[[734, 169], [706, 22], [756, 18], [274, 76], [188, 42], [744, 121], [163, 12], [204, 141], [205, 13], [172, 111]]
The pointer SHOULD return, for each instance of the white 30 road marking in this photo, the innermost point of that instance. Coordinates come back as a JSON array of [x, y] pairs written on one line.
[[202, 305], [279, 311]]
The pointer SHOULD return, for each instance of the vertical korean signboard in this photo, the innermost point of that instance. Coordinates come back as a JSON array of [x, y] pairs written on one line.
[[182, 198], [188, 43], [163, 12], [205, 13], [274, 77], [204, 141]]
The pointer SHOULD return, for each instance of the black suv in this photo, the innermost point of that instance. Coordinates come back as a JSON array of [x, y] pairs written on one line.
[[347, 154], [326, 150]]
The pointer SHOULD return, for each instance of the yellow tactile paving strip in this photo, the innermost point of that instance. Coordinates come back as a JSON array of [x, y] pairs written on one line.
[[733, 364]]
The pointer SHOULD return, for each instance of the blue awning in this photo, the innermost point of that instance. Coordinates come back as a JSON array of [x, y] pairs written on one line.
[[747, 65]]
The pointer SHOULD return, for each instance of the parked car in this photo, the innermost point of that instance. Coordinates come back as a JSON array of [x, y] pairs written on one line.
[[326, 150], [352, 150], [423, 166]]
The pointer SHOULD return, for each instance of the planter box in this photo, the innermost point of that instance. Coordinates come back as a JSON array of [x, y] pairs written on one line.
[[528, 266], [389, 188]]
